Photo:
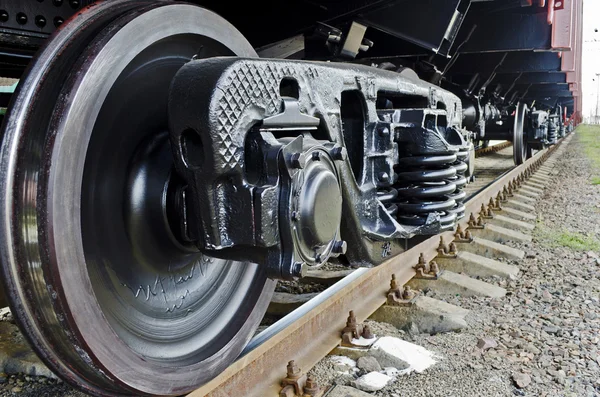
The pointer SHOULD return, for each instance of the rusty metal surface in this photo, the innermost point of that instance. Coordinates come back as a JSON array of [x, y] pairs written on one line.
[[492, 149], [310, 332]]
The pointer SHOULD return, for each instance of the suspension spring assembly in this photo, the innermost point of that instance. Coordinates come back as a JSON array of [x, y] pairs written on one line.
[[428, 185]]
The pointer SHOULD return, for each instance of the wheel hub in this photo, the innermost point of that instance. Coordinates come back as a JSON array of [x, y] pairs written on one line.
[[316, 209]]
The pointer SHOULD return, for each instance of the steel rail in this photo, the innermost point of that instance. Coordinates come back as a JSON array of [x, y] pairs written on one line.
[[492, 149], [308, 333]]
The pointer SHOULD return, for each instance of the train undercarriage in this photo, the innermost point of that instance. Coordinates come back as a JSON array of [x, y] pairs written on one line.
[[164, 164]]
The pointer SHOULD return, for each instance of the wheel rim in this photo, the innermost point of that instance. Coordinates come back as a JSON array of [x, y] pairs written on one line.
[[93, 216], [519, 136]]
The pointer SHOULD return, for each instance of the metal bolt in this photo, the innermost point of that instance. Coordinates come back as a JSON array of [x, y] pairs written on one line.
[[393, 283], [21, 18], [408, 293], [311, 388], [351, 321], [298, 269], [442, 246], [452, 249], [293, 371], [434, 267], [297, 160], [316, 156], [459, 231], [383, 177], [295, 216], [334, 38], [383, 131], [340, 247], [40, 21], [367, 333], [339, 153]]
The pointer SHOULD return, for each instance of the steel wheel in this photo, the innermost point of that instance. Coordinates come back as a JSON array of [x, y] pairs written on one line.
[[108, 295], [519, 135]]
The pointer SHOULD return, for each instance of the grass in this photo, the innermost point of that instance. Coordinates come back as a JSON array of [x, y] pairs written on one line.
[[564, 238], [589, 137]]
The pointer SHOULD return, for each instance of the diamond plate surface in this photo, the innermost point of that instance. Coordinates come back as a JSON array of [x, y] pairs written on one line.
[[248, 83]]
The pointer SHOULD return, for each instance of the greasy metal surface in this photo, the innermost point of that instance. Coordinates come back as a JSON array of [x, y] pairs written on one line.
[[103, 310], [235, 146], [311, 331]]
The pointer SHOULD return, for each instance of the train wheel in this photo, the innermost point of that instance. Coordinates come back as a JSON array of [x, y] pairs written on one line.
[[100, 284], [520, 152]]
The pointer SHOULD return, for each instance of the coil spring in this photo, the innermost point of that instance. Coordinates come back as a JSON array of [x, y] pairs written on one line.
[[428, 185], [561, 129], [552, 133]]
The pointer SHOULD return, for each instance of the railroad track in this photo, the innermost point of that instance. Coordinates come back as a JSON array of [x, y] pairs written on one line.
[[310, 332], [492, 149]]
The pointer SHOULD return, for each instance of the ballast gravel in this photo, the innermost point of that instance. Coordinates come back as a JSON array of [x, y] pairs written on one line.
[[542, 339]]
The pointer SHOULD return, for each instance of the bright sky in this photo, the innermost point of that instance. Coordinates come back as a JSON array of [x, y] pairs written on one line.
[[591, 56]]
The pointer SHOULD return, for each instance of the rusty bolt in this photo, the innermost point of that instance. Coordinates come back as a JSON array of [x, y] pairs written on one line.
[[351, 321], [442, 249], [421, 260], [393, 283], [459, 232], [311, 388], [293, 371], [434, 267], [472, 219], [367, 333], [452, 249], [497, 203], [408, 293]]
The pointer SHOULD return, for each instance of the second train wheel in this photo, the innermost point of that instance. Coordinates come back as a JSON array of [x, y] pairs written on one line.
[[108, 295], [520, 152]]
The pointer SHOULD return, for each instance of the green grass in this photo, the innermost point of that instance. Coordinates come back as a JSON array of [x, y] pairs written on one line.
[[564, 238], [589, 137]]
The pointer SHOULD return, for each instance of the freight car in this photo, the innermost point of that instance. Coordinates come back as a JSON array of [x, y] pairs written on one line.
[[163, 162]]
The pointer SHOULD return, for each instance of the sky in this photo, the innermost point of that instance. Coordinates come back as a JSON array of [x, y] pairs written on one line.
[[591, 57]]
